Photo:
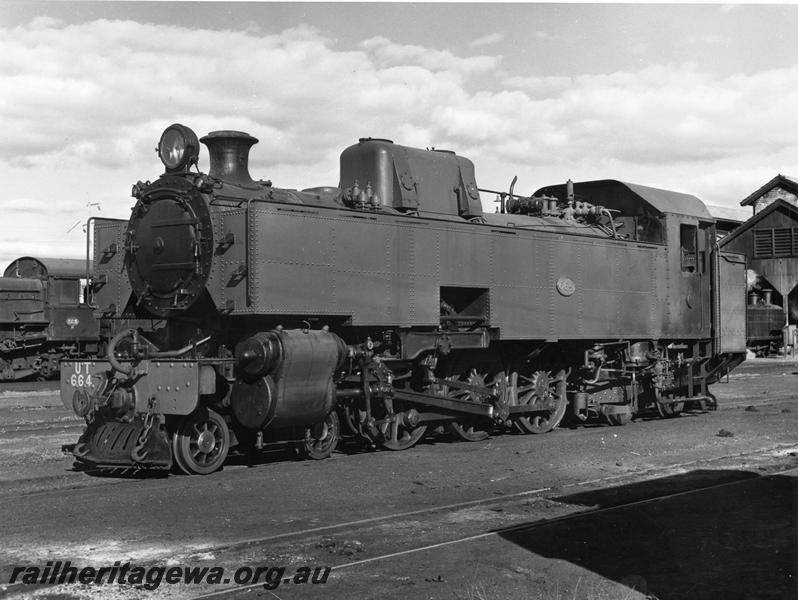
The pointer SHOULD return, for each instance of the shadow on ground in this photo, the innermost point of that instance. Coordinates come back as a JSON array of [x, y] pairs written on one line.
[[709, 541]]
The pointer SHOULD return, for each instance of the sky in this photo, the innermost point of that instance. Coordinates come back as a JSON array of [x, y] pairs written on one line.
[[696, 98]]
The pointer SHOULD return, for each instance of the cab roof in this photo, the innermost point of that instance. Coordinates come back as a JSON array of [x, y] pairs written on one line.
[[43, 267], [630, 198]]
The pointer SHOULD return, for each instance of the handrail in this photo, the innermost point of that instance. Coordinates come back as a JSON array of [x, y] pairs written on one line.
[[89, 296]]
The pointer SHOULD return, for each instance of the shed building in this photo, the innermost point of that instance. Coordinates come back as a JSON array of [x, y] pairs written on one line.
[[770, 241]]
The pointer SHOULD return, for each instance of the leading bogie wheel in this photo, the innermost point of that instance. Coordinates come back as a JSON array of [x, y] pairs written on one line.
[[201, 442], [322, 438]]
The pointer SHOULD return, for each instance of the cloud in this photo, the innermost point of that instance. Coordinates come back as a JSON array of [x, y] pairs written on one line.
[[487, 40], [100, 93], [387, 53], [93, 87], [82, 107], [31, 206], [666, 114]]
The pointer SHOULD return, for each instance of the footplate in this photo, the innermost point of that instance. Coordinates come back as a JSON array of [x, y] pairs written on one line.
[[112, 444]]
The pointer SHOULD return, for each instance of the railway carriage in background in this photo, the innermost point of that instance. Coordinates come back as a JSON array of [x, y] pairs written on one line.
[[43, 316], [391, 304]]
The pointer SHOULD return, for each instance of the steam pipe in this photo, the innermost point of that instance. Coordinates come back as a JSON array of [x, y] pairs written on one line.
[[512, 187], [605, 211], [181, 351], [128, 369]]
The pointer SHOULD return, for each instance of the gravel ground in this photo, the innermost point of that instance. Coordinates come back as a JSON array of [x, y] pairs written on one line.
[[277, 512]]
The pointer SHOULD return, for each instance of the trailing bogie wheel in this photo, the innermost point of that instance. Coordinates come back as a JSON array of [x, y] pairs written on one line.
[[668, 410], [619, 418], [708, 404], [322, 438], [540, 386], [201, 442]]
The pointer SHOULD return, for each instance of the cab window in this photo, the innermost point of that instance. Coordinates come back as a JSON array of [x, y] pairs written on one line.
[[67, 291], [688, 242]]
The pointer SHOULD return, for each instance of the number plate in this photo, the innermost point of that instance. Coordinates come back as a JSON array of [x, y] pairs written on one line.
[[81, 375]]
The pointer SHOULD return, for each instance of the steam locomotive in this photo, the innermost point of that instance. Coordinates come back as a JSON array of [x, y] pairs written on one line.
[[43, 317], [391, 304], [764, 322]]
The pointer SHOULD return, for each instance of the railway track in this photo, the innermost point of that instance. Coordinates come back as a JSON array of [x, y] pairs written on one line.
[[378, 542], [43, 427], [516, 531]]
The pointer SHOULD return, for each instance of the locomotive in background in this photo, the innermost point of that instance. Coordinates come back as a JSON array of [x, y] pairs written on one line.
[[390, 304], [43, 317], [764, 322]]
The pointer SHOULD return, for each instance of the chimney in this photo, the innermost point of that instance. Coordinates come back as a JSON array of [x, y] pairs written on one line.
[[229, 153]]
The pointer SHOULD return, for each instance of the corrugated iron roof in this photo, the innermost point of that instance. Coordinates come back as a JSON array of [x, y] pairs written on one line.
[[729, 213]]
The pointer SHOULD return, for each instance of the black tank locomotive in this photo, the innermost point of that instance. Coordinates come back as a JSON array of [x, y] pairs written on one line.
[[390, 304], [43, 317]]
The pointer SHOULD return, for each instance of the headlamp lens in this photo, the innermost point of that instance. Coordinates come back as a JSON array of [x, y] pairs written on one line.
[[173, 147], [178, 147]]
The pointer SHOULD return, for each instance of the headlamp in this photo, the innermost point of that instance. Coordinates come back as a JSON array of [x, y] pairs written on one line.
[[178, 148]]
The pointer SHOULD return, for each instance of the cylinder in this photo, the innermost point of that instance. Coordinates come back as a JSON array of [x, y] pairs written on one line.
[[258, 354], [294, 378], [253, 403]]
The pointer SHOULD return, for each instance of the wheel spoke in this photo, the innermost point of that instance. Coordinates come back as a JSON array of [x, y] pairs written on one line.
[[485, 380], [201, 442], [544, 388], [321, 438]]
